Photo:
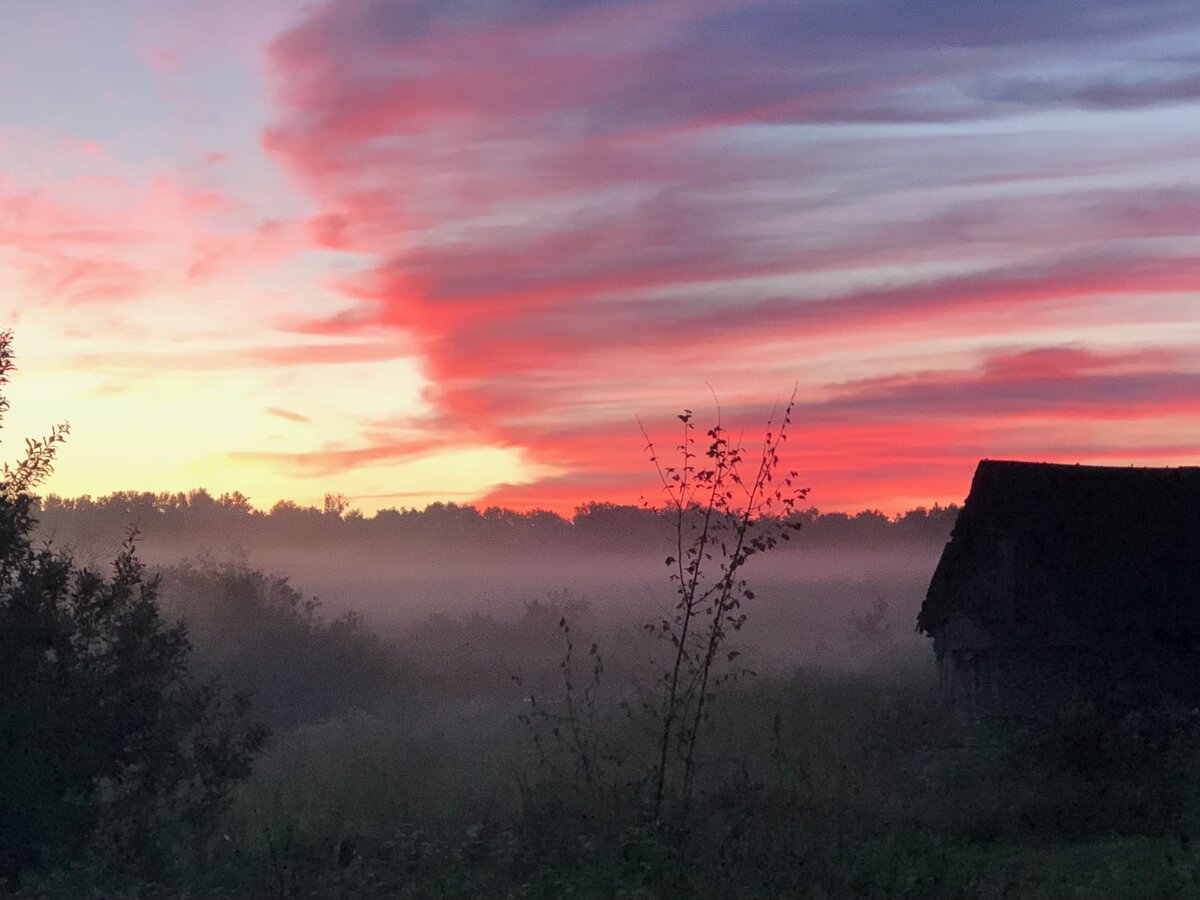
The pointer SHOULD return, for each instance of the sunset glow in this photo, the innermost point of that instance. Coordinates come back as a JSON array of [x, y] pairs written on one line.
[[417, 251]]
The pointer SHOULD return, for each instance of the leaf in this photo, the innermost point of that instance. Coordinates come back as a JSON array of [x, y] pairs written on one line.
[[733, 654]]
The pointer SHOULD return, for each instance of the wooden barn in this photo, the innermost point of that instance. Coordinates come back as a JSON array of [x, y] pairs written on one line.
[[1065, 582]]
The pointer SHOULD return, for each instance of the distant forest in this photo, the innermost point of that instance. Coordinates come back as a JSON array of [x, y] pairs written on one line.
[[183, 517]]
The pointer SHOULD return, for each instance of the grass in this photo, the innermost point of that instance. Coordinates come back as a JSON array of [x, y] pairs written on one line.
[[814, 785]]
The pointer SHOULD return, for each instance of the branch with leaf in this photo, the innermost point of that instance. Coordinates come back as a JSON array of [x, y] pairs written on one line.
[[727, 505]]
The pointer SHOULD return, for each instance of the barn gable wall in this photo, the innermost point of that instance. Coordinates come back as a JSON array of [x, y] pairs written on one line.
[[1070, 581]]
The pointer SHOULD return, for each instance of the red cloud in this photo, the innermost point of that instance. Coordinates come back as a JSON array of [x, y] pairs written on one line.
[[567, 212]]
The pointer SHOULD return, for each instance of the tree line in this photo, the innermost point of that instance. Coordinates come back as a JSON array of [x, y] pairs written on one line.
[[186, 516]]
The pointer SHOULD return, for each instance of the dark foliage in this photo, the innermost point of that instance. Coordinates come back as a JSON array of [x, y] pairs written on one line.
[[108, 746], [267, 639], [192, 519]]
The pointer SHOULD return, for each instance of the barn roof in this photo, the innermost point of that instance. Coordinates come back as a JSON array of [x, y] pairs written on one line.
[[1111, 548]]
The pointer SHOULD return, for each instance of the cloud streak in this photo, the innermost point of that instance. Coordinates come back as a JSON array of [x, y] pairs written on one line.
[[549, 194]]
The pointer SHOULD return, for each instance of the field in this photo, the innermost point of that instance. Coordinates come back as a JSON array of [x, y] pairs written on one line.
[[445, 728]]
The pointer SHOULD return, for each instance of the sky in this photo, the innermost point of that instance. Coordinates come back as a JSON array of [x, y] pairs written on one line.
[[419, 250]]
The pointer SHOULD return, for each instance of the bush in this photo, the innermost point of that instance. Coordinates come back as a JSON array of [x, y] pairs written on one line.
[[107, 744], [264, 637]]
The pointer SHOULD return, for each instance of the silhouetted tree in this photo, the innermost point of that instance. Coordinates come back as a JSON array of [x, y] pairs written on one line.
[[336, 505], [106, 741], [187, 519]]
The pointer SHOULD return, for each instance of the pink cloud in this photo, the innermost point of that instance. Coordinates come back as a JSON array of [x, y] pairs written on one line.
[[103, 237], [578, 210], [323, 463], [248, 357], [287, 415], [163, 60]]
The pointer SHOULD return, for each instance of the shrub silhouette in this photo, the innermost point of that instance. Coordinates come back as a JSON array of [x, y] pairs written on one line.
[[106, 742], [266, 638], [724, 508]]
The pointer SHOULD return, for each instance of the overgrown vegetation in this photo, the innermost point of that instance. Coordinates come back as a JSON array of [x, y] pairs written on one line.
[[109, 750], [817, 785]]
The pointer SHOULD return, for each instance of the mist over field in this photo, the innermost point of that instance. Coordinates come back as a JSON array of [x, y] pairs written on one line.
[[454, 702], [844, 593]]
